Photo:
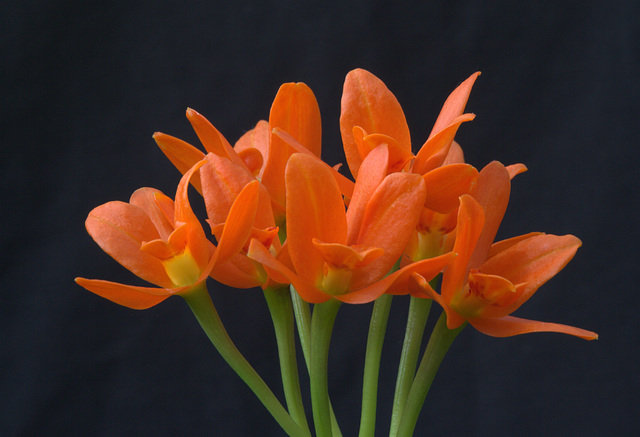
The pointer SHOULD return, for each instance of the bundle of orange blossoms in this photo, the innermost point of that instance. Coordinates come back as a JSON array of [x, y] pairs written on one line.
[[283, 220]]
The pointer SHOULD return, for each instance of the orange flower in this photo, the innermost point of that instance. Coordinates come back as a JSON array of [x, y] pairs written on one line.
[[341, 254], [371, 116], [487, 282], [164, 243]]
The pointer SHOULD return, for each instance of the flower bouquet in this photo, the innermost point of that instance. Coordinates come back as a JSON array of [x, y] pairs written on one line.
[[312, 239]]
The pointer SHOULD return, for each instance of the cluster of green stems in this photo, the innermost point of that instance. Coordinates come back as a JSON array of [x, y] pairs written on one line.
[[314, 329]]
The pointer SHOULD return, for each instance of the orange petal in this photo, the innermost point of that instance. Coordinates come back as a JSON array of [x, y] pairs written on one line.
[[509, 326], [295, 111], [120, 229], [426, 268], [212, 140], [470, 224], [137, 298], [455, 155], [151, 201], [308, 291], [516, 169], [314, 210], [237, 228], [374, 169], [492, 193], [434, 152], [398, 156], [239, 272], [532, 261], [252, 158], [446, 184], [182, 154], [390, 218], [256, 138], [368, 103], [199, 246], [454, 105], [222, 181]]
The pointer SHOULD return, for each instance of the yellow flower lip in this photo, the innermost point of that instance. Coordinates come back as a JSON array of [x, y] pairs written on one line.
[[182, 269]]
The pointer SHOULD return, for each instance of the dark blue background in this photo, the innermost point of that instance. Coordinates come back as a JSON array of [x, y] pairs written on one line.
[[85, 85]]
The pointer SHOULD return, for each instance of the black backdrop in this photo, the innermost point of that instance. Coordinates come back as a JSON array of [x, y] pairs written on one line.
[[84, 86]]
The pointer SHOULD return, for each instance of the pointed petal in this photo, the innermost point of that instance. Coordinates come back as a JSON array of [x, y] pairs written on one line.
[[307, 291], [390, 218], [492, 193], [434, 152], [509, 326], [120, 229], [446, 184], [374, 170], [181, 154], [212, 140], [137, 298], [237, 228], [469, 227], [368, 103], [516, 169], [314, 210], [532, 261], [198, 244], [454, 105]]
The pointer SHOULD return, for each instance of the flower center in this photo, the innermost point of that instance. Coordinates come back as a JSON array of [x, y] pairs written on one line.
[[182, 269]]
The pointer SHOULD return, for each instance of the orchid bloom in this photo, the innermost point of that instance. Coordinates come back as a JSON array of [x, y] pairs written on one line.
[[371, 116], [346, 255], [486, 282], [163, 242]]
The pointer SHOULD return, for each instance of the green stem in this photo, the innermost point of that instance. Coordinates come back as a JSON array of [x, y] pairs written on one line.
[[303, 322], [281, 309], [375, 340], [200, 303], [439, 343], [416, 322], [324, 316]]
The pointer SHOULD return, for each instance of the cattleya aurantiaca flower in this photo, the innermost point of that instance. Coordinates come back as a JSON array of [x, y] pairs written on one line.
[[371, 116], [163, 242], [281, 216], [486, 282]]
